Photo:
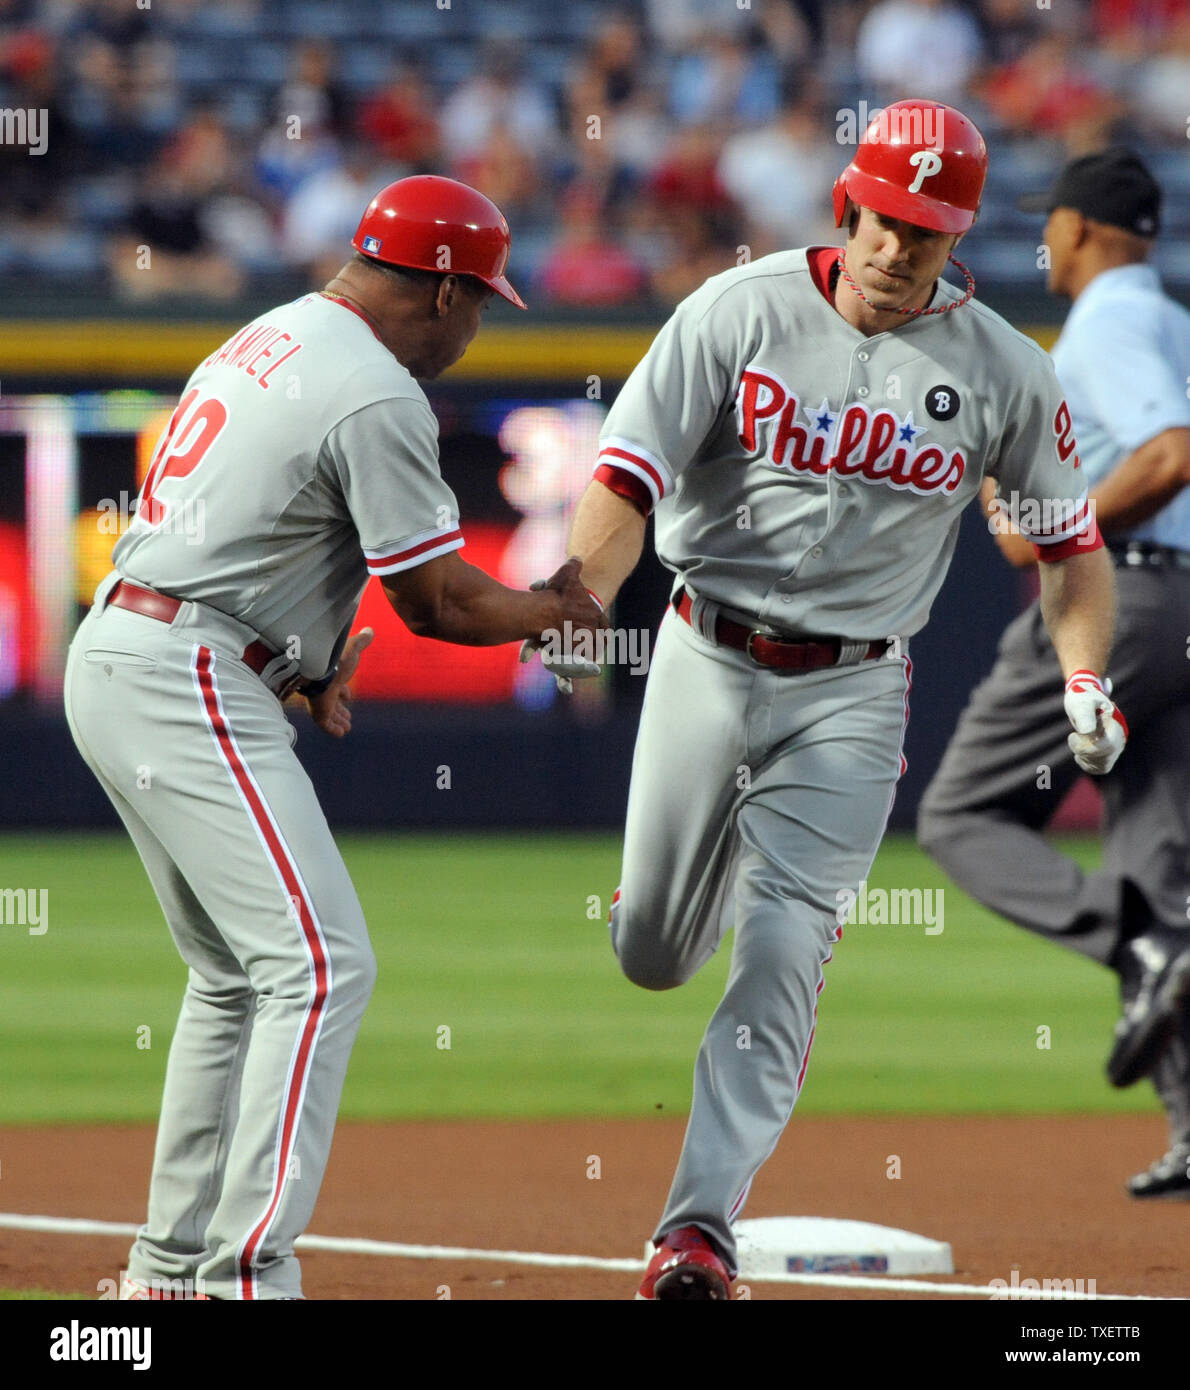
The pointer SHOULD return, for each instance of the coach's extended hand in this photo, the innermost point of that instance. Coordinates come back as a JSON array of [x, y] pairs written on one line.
[[565, 665], [331, 710]]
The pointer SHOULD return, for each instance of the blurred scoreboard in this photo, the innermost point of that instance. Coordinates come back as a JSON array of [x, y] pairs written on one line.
[[71, 468]]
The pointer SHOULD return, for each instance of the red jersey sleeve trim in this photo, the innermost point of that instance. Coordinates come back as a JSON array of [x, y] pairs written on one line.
[[1083, 543], [625, 485], [426, 548]]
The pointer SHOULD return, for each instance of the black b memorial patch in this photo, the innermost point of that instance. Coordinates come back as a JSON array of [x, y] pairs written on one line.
[[942, 402]]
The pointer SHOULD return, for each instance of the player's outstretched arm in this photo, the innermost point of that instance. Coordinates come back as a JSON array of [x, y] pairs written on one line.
[[608, 535], [448, 599]]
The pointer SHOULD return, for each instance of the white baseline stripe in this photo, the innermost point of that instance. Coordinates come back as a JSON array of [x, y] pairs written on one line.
[[346, 1245]]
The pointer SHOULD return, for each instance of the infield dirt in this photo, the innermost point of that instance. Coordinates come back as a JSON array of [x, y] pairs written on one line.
[[1044, 1195]]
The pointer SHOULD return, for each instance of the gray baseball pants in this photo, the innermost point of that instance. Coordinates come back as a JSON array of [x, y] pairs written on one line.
[[196, 755], [1008, 767], [757, 796]]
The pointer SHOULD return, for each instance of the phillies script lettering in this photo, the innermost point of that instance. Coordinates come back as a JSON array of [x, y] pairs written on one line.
[[875, 446]]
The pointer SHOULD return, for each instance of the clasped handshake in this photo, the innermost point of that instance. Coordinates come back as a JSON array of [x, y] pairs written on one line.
[[570, 651], [1099, 728]]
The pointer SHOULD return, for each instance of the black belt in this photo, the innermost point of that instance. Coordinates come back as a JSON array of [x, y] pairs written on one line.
[[1135, 554]]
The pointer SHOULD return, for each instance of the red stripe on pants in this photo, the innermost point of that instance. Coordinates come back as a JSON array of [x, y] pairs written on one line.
[[279, 854]]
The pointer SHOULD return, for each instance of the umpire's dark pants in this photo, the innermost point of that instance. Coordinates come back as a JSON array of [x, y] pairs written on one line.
[[1007, 768]]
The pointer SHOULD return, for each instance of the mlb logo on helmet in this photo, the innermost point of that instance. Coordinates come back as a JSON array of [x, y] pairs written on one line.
[[371, 244]]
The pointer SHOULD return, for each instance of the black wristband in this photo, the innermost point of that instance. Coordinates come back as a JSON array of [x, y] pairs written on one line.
[[325, 682], [317, 687]]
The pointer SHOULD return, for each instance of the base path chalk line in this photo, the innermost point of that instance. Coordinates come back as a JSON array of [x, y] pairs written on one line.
[[345, 1245]]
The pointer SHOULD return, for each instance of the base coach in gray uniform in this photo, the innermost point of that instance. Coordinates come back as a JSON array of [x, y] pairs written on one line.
[[1123, 359], [807, 430], [309, 454]]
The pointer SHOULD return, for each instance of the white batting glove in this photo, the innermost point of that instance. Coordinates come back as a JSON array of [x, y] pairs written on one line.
[[1100, 731], [565, 667]]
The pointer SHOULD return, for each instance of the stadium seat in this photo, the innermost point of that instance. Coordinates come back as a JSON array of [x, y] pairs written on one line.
[[225, 21], [511, 19], [553, 63], [267, 63], [1172, 259], [998, 258], [245, 109], [201, 62], [451, 63], [1168, 166], [102, 201], [364, 67], [414, 24], [323, 21], [572, 22]]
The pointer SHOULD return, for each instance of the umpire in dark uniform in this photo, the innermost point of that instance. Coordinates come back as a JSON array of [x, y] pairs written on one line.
[[1123, 358]]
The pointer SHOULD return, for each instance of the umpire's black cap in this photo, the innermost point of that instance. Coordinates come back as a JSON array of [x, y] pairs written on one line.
[[1111, 186]]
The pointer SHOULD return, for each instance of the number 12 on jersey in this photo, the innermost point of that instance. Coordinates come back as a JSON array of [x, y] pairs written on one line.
[[193, 428]]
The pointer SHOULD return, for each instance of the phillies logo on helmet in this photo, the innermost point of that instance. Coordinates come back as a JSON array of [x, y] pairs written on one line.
[[875, 446], [927, 164]]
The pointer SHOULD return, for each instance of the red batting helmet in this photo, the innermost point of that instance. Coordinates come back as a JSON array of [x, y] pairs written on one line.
[[920, 162], [431, 223]]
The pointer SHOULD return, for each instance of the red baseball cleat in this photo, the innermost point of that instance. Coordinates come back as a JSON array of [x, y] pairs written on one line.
[[686, 1265]]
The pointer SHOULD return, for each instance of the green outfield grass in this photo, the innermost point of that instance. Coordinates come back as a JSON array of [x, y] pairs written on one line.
[[490, 936], [40, 1296]]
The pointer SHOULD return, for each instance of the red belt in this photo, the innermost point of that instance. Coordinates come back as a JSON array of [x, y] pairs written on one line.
[[150, 604], [787, 653]]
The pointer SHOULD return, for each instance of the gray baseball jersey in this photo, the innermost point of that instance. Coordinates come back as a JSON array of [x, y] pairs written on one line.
[[301, 457], [808, 478], [813, 478]]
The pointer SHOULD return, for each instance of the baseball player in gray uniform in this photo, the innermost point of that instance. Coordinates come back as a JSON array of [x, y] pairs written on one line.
[[307, 452], [1123, 359], [806, 430]]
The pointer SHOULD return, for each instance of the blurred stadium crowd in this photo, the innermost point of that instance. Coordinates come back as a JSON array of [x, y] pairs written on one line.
[[635, 147]]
